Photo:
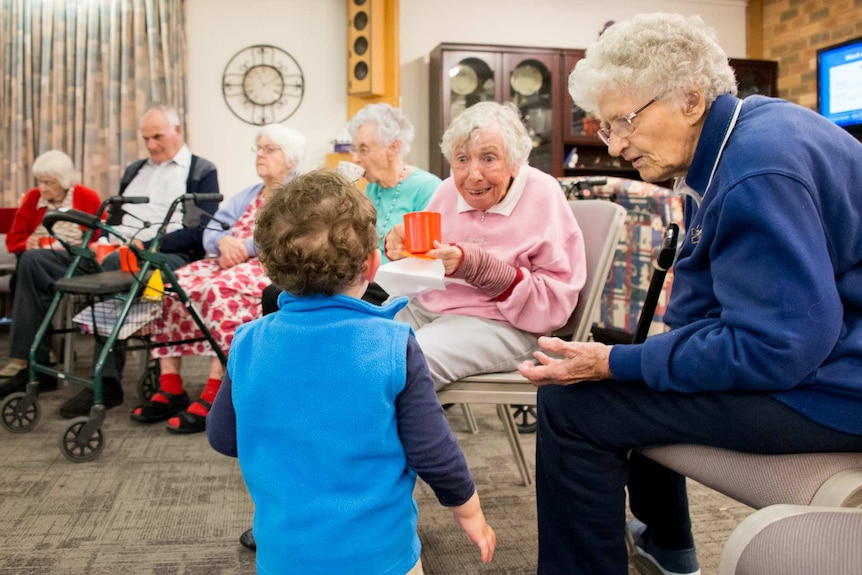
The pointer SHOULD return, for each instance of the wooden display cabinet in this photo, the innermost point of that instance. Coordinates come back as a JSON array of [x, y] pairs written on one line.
[[462, 75]]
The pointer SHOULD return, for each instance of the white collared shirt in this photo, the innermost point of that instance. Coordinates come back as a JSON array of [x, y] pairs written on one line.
[[162, 183]]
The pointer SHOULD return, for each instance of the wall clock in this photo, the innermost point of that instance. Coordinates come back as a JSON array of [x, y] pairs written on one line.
[[263, 84]]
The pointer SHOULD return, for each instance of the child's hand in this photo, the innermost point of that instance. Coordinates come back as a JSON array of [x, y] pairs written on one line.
[[471, 519], [482, 535]]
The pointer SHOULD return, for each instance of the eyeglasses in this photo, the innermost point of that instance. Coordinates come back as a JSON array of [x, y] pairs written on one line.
[[623, 126], [267, 150]]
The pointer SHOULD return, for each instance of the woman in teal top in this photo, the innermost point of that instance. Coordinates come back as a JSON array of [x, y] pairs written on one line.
[[381, 137]]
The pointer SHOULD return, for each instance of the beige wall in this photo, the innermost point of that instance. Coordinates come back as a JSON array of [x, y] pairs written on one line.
[[315, 34]]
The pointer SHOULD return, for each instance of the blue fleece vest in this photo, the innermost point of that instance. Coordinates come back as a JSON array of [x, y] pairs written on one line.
[[314, 388]]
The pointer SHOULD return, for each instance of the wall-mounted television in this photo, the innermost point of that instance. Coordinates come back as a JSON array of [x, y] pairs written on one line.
[[839, 84]]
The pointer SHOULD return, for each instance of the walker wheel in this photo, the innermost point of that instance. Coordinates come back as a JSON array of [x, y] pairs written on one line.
[[79, 449], [15, 420], [525, 418]]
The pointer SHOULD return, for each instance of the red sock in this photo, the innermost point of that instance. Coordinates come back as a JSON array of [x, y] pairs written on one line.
[[169, 383], [208, 395]]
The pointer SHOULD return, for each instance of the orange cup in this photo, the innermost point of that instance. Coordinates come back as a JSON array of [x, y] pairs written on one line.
[[45, 242], [128, 260], [421, 229], [102, 251]]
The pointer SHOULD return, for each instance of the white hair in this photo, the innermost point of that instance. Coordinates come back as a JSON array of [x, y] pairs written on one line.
[[55, 164], [391, 122], [649, 56], [291, 142], [487, 116]]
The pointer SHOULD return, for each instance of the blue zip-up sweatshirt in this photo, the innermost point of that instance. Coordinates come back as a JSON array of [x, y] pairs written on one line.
[[767, 292]]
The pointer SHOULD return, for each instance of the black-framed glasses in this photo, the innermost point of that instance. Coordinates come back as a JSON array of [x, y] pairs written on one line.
[[623, 126]]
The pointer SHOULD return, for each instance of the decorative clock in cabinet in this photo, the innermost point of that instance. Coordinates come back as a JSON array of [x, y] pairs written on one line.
[[263, 84]]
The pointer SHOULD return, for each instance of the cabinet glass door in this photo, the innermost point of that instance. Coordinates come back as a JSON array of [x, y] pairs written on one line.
[[471, 80], [531, 83]]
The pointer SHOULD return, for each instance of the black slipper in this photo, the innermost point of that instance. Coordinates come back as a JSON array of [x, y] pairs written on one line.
[[190, 422], [155, 411]]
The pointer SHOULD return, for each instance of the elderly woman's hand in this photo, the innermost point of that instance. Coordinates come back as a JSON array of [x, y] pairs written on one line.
[[450, 255], [581, 362], [394, 243], [232, 251]]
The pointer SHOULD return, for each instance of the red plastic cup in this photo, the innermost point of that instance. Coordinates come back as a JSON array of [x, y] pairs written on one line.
[[421, 229], [128, 260], [45, 242], [102, 251]]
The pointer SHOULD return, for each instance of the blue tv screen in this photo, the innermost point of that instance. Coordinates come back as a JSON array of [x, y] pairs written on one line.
[[839, 84]]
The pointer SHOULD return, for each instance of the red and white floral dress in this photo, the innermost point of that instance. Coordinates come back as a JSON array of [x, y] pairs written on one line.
[[225, 299]]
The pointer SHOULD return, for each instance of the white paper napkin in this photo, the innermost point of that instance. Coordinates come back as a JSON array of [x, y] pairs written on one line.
[[409, 276]]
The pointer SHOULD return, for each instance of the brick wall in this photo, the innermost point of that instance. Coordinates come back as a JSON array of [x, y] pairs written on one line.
[[793, 30]]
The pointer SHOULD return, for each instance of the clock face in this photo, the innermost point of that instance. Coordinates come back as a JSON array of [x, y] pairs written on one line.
[[263, 84]]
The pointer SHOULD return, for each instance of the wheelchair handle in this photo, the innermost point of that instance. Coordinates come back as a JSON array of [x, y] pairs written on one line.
[[203, 197], [74, 216], [128, 200]]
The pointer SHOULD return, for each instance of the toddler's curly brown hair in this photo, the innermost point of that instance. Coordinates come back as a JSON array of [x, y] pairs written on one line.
[[315, 234]]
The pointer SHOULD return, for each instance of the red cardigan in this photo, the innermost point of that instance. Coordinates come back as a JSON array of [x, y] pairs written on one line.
[[28, 217]]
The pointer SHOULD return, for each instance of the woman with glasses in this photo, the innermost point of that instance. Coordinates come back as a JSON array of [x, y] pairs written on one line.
[[225, 289], [765, 317], [381, 137]]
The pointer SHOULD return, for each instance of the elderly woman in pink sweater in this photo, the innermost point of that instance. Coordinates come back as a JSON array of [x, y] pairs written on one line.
[[509, 233]]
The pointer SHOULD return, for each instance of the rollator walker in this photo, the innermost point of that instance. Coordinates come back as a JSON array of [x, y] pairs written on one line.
[[115, 312]]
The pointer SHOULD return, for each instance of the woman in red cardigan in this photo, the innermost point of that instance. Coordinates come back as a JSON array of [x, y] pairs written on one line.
[[55, 176]]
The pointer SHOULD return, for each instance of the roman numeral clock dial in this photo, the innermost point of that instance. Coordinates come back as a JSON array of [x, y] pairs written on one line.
[[263, 84]]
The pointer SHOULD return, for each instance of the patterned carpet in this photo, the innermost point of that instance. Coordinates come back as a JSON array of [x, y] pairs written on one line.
[[159, 504]]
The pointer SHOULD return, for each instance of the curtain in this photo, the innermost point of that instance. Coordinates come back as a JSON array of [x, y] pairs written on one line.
[[75, 76]]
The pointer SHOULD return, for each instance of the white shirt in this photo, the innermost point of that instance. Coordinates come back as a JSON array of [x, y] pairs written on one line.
[[162, 183]]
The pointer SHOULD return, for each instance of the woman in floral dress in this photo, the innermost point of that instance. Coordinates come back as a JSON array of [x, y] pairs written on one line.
[[225, 289]]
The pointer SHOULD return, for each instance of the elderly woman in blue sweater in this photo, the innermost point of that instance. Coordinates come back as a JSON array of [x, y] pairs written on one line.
[[763, 354]]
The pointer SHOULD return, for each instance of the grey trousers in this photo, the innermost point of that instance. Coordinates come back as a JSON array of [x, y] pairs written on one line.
[[456, 346]]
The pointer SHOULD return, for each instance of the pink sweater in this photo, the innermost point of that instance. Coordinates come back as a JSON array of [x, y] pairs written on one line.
[[540, 237]]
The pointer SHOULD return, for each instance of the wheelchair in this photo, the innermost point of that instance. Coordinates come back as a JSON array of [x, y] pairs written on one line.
[[116, 311]]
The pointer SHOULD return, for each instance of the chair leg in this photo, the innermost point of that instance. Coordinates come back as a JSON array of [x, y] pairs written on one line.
[[471, 419], [515, 443]]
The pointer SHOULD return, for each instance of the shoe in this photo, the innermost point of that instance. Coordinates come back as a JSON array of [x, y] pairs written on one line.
[[80, 404], [18, 382], [668, 562], [188, 422], [11, 370], [247, 540], [154, 411]]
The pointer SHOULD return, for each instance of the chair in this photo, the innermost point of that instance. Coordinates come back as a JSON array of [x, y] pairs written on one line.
[[804, 495], [795, 540], [803, 499], [601, 223]]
